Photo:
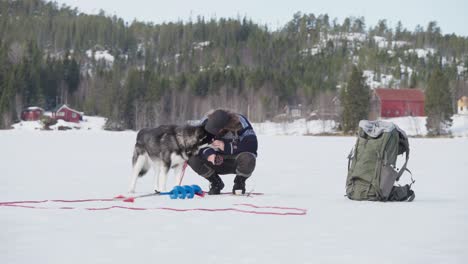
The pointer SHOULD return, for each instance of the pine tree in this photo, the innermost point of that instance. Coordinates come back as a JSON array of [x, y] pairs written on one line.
[[438, 103], [413, 80], [355, 101], [72, 75], [7, 107]]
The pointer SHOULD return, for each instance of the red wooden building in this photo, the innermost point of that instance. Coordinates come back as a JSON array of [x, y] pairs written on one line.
[[397, 102], [32, 113], [66, 113]]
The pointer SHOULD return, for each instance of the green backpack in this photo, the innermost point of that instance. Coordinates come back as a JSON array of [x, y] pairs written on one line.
[[372, 168]]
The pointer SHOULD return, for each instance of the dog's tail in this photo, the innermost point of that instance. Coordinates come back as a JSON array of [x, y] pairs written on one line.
[[140, 159]]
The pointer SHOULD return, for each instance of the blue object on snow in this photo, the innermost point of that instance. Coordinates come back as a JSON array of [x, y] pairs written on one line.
[[174, 194], [182, 192], [189, 191], [178, 192], [197, 189]]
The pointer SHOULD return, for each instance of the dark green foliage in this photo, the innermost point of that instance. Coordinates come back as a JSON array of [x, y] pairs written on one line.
[[29, 79], [438, 105], [413, 80], [71, 75], [355, 101], [176, 71]]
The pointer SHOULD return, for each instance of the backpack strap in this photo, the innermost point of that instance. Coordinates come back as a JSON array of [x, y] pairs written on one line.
[[350, 157], [404, 168], [352, 153]]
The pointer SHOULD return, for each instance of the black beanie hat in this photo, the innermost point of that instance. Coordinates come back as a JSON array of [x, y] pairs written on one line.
[[217, 121]]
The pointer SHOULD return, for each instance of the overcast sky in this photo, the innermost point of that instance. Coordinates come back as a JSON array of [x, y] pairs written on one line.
[[451, 15]]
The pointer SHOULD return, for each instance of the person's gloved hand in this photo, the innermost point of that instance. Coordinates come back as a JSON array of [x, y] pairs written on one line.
[[215, 159], [219, 144], [211, 158]]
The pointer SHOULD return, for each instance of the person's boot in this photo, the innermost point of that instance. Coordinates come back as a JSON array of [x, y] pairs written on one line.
[[239, 185], [216, 184]]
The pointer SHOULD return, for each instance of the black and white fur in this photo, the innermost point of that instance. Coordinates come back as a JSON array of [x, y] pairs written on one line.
[[163, 148]]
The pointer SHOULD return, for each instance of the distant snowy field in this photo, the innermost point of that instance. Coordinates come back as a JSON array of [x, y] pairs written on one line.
[[303, 172], [413, 126], [88, 123]]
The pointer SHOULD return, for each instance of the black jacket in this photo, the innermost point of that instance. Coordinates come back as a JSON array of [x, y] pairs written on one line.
[[244, 140]]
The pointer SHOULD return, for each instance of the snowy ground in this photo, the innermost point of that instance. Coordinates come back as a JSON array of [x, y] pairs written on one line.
[[303, 172]]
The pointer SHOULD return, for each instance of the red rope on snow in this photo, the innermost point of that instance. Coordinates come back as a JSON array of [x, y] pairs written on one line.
[[61, 201], [301, 212], [117, 198], [182, 173], [274, 207], [291, 210]]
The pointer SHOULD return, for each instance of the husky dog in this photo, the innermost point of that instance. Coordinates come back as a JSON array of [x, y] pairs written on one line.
[[165, 147]]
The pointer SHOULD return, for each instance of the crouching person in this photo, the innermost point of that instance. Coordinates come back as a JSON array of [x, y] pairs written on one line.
[[233, 150]]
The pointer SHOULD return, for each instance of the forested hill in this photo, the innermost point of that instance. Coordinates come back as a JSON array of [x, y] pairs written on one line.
[[143, 74]]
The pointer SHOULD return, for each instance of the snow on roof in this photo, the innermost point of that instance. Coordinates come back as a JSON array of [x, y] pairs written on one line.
[[400, 94], [58, 108], [32, 108]]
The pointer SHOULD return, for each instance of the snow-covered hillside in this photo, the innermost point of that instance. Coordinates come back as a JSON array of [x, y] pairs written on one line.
[[355, 41], [302, 172]]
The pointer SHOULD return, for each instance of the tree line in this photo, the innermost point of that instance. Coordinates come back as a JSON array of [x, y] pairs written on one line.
[[177, 71]]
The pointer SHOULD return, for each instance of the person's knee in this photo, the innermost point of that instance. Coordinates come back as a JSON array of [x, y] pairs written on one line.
[[199, 166], [245, 164]]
